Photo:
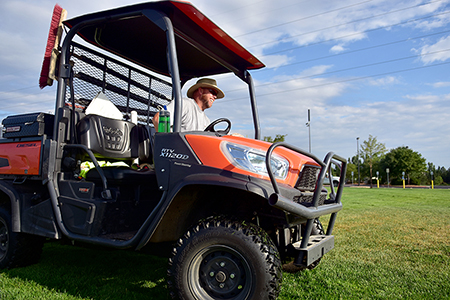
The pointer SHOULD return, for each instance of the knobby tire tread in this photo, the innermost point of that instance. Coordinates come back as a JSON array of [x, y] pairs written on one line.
[[258, 236], [23, 249]]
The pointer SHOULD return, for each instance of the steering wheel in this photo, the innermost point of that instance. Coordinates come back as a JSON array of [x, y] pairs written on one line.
[[211, 128]]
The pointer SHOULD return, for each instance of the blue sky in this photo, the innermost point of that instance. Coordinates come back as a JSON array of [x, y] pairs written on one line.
[[363, 67]]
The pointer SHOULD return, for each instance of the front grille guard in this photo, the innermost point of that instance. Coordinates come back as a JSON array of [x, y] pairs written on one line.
[[330, 206]]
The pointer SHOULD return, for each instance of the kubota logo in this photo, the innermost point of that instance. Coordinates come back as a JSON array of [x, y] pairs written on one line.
[[112, 131]]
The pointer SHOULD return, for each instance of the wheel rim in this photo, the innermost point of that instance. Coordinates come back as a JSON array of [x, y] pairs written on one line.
[[3, 239], [219, 272]]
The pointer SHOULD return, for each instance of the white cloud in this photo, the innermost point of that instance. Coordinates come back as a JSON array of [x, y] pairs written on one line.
[[388, 80], [436, 52], [439, 18], [337, 49], [275, 61], [431, 99], [441, 84], [304, 24], [315, 71]]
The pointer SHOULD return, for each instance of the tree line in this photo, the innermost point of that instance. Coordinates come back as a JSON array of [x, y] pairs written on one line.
[[401, 162]]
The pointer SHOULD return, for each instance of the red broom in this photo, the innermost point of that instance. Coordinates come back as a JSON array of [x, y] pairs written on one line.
[[54, 36]]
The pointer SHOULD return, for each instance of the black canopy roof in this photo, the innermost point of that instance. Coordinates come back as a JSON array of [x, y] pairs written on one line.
[[133, 32]]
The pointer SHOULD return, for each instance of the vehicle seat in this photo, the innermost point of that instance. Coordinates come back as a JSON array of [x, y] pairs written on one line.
[[111, 139], [142, 143]]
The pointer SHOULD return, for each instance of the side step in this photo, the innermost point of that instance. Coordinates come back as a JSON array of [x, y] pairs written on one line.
[[318, 246]]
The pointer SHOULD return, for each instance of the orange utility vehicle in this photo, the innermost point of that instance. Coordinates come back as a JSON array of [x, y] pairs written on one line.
[[234, 209]]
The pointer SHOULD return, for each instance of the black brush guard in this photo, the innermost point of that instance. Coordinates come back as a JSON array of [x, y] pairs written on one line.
[[310, 248]]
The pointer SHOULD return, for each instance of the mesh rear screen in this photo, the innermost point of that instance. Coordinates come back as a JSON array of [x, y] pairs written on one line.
[[127, 87]]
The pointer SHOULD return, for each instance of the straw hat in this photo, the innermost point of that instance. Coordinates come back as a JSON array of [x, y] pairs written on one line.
[[205, 83]]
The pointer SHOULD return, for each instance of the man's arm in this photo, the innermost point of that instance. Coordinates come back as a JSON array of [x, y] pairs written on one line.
[[155, 121]]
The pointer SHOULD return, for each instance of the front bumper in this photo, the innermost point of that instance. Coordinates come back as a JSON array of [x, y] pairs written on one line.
[[318, 246], [310, 248]]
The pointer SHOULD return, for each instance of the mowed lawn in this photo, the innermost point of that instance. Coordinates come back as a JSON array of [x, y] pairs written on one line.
[[389, 244]]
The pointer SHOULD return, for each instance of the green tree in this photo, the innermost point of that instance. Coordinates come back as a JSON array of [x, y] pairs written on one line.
[[431, 168], [438, 174], [438, 180], [445, 174], [372, 152], [441, 172], [351, 167], [404, 159], [278, 138]]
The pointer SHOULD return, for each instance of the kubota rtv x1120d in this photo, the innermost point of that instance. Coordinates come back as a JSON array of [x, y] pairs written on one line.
[[235, 209]]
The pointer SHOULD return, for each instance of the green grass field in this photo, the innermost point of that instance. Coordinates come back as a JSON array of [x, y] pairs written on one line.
[[389, 244]]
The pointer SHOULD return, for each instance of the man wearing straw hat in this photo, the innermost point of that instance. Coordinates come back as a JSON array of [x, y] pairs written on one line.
[[202, 96]]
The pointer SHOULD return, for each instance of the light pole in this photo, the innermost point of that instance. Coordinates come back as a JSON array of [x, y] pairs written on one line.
[[378, 179], [403, 178], [308, 124], [387, 173], [432, 182], [357, 149]]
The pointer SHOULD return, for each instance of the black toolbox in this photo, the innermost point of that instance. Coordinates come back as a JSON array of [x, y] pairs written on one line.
[[26, 125]]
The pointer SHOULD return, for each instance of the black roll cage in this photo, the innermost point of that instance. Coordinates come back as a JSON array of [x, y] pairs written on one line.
[[161, 15], [162, 20]]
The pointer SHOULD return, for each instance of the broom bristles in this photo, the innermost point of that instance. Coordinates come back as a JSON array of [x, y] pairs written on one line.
[[53, 33]]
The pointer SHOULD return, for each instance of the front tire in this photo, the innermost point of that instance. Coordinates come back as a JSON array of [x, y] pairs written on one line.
[[223, 259], [17, 249]]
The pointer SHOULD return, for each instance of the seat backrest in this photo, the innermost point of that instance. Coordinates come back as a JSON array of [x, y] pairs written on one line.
[[105, 137], [116, 139], [142, 143]]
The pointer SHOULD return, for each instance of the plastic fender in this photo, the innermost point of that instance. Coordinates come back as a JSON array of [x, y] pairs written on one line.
[[162, 227], [14, 197]]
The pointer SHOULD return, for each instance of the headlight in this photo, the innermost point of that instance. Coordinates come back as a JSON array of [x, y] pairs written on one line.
[[254, 160]]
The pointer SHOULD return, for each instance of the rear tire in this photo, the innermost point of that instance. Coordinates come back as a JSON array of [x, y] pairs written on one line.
[[17, 249], [223, 259]]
